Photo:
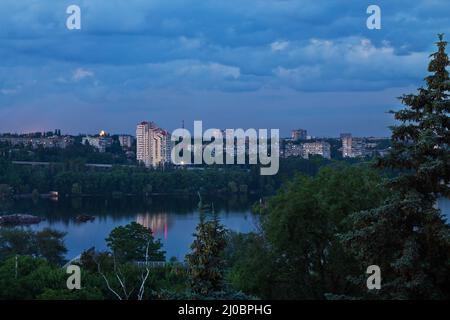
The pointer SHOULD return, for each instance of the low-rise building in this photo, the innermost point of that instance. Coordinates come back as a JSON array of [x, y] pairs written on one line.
[[292, 150], [306, 149], [36, 142], [320, 148], [126, 141], [100, 142]]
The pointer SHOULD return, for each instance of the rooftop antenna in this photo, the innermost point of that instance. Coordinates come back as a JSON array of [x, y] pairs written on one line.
[[182, 124]]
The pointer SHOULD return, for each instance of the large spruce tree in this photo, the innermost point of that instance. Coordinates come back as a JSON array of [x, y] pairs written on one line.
[[206, 264], [407, 236]]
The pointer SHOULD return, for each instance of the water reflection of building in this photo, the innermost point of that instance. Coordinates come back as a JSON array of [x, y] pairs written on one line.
[[159, 223]]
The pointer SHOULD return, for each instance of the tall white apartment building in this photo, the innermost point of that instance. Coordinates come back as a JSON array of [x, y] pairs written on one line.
[[142, 143], [152, 144]]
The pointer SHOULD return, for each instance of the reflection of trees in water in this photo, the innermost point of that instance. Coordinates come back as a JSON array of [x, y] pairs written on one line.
[[159, 223], [66, 209], [6, 205], [76, 203]]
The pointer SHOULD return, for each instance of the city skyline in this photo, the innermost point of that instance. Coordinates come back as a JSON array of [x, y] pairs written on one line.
[[246, 64], [288, 135], [153, 146]]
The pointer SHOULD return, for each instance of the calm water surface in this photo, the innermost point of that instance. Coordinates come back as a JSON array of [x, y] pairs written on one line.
[[172, 219]]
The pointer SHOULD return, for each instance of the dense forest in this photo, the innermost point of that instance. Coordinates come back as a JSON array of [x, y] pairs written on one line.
[[74, 178]]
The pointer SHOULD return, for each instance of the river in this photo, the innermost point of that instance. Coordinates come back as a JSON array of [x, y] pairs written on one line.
[[172, 219]]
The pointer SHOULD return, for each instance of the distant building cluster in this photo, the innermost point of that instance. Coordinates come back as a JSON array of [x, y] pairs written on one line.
[[299, 134], [100, 141], [306, 149], [347, 141], [153, 144], [292, 150], [360, 147], [320, 148], [37, 139], [300, 144]]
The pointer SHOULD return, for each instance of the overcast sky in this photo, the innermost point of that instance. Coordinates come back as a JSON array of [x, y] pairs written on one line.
[[283, 64]]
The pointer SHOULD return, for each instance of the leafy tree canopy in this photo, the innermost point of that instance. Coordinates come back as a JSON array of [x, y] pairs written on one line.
[[129, 243]]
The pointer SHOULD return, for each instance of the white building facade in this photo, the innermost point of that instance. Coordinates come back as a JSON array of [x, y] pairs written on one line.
[[320, 148], [152, 144]]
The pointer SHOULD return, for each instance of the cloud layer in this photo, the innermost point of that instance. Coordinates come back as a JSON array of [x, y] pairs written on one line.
[[129, 52]]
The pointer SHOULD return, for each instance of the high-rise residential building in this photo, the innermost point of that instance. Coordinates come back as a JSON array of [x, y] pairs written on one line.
[[346, 139], [166, 146], [299, 134], [353, 147], [152, 144], [142, 143], [321, 148]]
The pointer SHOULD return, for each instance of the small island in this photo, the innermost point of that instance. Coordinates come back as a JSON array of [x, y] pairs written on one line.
[[19, 219], [84, 218]]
